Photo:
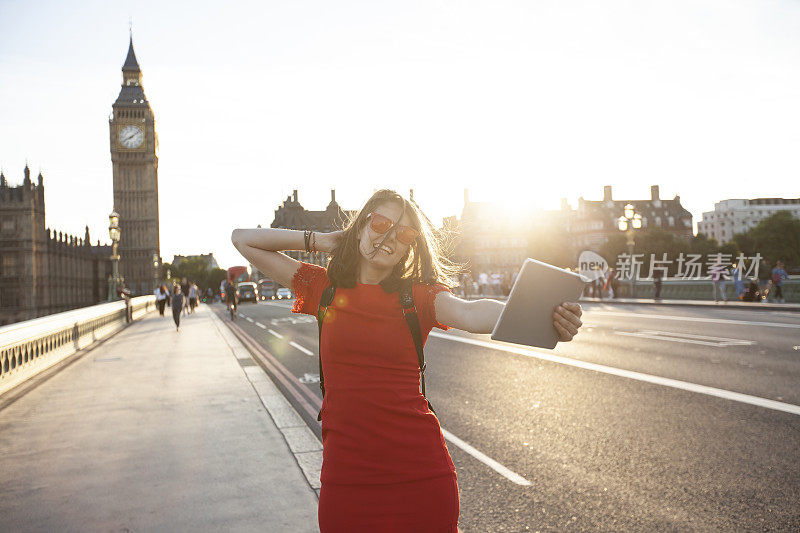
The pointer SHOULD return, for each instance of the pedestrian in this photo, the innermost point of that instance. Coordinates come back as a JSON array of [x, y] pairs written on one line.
[[611, 283], [177, 305], [192, 297], [483, 283], [125, 294], [718, 281], [161, 299], [185, 291], [738, 282], [778, 275], [495, 281], [764, 279], [385, 464], [657, 279]]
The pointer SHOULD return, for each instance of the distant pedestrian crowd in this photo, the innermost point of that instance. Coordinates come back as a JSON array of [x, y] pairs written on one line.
[[182, 298], [767, 286], [483, 284]]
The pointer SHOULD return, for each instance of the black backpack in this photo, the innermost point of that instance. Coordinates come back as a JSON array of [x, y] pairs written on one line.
[[409, 313]]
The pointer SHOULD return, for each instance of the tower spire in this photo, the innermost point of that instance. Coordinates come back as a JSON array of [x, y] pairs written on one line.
[[131, 65]]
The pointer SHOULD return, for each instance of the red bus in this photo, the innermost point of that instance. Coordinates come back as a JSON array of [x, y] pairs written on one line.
[[238, 274]]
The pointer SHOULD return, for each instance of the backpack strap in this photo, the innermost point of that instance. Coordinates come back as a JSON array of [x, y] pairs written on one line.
[[325, 301], [412, 319]]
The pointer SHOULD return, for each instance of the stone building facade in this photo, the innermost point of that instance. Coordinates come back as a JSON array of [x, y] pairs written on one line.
[[41, 271], [292, 215], [489, 237], [730, 217], [134, 147], [594, 222]]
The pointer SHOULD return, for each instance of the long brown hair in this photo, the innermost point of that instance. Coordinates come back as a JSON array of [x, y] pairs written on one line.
[[424, 262]]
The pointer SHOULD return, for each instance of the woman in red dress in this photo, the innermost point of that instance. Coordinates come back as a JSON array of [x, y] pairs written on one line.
[[385, 466]]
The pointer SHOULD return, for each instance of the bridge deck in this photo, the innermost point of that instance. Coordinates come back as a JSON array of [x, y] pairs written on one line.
[[152, 430]]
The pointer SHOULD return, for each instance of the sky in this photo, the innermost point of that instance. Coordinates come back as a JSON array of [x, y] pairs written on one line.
[[521, 102]]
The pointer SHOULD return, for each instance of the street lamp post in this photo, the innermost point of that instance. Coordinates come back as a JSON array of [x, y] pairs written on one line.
[[114, 234], [155, 269], [629, 222]]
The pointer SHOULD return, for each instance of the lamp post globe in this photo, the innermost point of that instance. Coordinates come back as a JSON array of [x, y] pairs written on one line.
[[629, 222]]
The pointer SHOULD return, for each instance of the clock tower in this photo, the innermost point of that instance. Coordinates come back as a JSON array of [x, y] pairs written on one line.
[[135, 168]]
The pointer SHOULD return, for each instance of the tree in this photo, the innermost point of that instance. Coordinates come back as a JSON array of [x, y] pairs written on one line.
[[778, 238], [196, 269]]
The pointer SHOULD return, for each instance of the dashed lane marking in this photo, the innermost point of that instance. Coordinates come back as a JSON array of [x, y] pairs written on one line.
[[275, 333], [304, 350], [248, 319], [658, 380], [703, 340], [262, 326]]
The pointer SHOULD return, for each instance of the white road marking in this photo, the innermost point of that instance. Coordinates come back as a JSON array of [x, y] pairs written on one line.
[[240, 314], [285, 306], [704, 340], [262, 326], [694, 319], [667, 382], [248, 319], [304, 350], [488, 461], [301, 319], [275, 333]]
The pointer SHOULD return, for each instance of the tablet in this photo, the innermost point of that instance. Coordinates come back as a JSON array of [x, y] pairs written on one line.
[[527, 317]]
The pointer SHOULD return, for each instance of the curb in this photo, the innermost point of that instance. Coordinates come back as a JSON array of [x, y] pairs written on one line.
[[302, 442]]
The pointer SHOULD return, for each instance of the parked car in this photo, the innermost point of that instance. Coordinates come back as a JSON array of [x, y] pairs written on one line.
[[283, 294], [247, 292]]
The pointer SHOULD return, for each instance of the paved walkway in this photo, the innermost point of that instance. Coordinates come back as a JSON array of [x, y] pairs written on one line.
[[154, 430]]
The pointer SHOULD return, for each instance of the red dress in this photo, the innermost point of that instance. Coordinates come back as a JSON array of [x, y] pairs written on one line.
[[385, 463]]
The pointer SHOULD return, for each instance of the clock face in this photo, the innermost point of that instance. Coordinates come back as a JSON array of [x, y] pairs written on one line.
[[131, 137]]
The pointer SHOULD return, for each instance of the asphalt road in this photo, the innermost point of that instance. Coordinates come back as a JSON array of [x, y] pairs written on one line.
[[652, 419]]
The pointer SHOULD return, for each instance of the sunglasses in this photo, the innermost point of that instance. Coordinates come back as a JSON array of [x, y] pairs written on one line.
[[381, 224]]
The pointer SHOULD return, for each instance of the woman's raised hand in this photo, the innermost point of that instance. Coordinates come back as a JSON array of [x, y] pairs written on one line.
[[567, 321]]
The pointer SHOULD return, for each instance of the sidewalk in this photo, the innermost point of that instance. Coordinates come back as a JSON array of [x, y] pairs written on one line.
[[154, 430]]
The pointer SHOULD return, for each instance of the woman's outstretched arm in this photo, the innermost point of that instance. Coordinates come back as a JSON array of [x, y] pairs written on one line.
[[262, 247], [480, 316]]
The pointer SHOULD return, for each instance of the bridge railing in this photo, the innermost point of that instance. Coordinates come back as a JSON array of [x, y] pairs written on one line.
[[29, 347]]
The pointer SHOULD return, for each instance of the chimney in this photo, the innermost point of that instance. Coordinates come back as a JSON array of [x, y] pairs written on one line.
[[653, 192], [411, 194], [294, 195], [466, 196], [333, 196], [27, 180], [607, 193]]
